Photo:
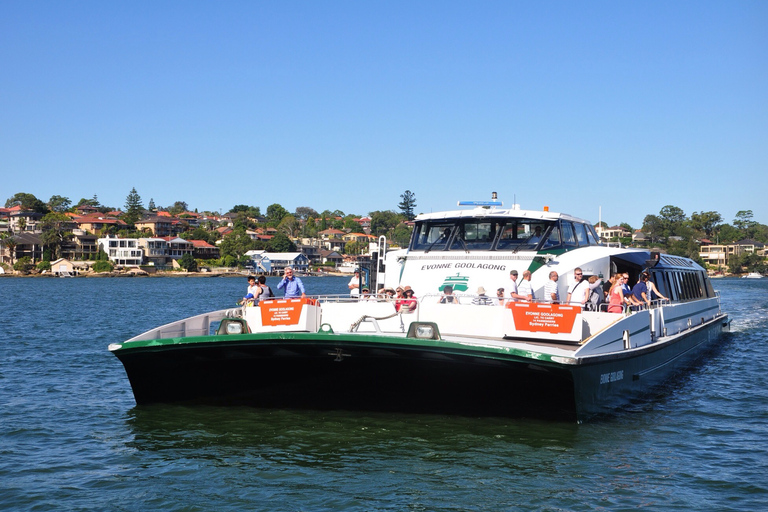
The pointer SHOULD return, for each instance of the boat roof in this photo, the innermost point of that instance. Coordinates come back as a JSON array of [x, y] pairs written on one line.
[[485, 212]]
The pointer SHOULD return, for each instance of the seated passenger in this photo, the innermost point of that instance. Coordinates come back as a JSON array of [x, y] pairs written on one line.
[[448, 297], [408, 303], [482, 299]]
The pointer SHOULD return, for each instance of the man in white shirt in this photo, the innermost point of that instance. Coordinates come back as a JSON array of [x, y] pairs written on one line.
[[551, 293], [578, 293], [525, 290], [513, 292]]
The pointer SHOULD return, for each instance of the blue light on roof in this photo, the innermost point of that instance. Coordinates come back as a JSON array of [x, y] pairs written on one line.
[[481, 203]]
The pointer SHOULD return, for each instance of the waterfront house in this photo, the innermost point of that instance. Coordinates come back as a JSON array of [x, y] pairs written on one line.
[[203, 250], [155, 251], [280, 260], [122, 251], [63, 267]]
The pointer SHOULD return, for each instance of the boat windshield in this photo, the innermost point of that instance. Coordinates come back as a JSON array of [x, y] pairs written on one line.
[[485, 235]]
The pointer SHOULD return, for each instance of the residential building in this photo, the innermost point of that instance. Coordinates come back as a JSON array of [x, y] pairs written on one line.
[[155, 251], [122, 251], [203, 250]]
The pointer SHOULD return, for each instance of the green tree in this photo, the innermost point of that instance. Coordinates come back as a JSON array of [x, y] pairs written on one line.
[[133, 207], [188, 263], [305, 212], [55, 230], [653, 227], [383, 221], [23, 264], [705, 223], [275, 214], [151, 206], [672, 220], [235, 244], [407, 204], [281, 243], [289, 225], [59, 204], [178, 207], [10, 243], [27, 202], [744, 223], [402, 234]]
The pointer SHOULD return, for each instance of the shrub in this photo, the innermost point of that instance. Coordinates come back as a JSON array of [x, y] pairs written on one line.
[[23, 264], [102, 266], [44, 265]]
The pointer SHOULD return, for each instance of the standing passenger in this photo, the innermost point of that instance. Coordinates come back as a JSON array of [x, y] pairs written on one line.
[[525, 290], [579, 294], [551, 293], [294, 288]]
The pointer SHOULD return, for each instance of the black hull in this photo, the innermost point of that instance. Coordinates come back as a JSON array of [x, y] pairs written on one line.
[[312, 374], [375, 376]]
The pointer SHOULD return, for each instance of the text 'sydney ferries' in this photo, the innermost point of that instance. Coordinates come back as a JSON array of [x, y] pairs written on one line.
[[281, 312], [549, 318]]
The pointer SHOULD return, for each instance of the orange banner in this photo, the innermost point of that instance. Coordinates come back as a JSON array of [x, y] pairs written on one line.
[[551, 318], [281, 311]]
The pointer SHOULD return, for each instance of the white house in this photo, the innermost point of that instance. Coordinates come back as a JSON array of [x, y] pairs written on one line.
[[280, 260], [122, 251]]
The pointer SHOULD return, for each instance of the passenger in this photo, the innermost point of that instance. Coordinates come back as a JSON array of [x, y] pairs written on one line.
[[251, 293], [640, 290], [607, 287], [653, 292], [482, 299], [294, 288], [595, 293], [627, 291], [513, 292], [266, 291], [525, 290], [408, 303], [448, 297], [500, 297], [579, 294], [616, 301], [551, 292], [354, 284], [366, 295]]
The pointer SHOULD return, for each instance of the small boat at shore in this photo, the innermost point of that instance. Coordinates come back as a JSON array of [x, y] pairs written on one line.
[[531, 358], [753, 275]]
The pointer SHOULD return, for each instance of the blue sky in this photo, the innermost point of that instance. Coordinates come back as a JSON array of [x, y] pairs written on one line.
[[628, 106]]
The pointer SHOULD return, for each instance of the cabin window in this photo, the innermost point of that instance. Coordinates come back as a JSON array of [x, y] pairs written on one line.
[[553, 238], [568, 236], [473, 235], [435, 237], [581, 234], [592, 235]]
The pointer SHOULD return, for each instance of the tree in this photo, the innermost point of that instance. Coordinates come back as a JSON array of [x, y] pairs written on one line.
[[188, 263], [178, 207], [289, 225], [672, 219], [59, 204], [402, 234], [305, 212], [151, 206], [235, 244], [281, 243], [705, 222], [627, 227], [133, 207], [54, 232], [407, 204], [275, 214], [383, 221], [653, 227], [744, 223], [9, 242], [26, 202]]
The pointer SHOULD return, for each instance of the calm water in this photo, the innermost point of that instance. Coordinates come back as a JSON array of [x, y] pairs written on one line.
[[71, 437]]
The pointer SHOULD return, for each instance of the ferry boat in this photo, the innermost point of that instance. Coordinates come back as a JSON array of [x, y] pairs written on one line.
[[519, 358]]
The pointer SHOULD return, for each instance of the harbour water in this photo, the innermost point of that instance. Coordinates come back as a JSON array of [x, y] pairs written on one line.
[[72, 438]]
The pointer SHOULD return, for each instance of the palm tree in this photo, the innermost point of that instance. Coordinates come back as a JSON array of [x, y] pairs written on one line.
[[7, 240]]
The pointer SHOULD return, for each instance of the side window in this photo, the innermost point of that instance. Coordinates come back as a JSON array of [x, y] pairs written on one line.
[[592, 236], [581, 234], [569, 237]]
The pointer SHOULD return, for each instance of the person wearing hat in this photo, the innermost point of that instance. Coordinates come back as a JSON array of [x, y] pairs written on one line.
[[514, 294], [408, 303], [482, 299]]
